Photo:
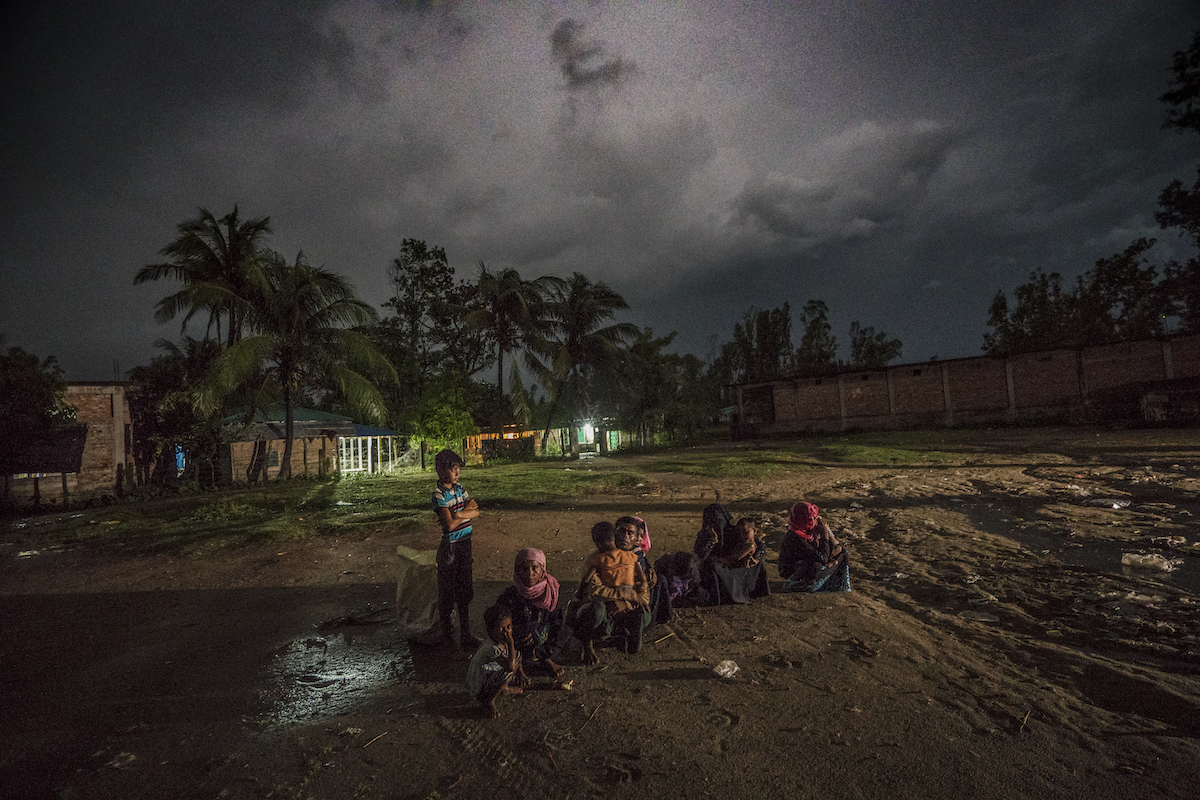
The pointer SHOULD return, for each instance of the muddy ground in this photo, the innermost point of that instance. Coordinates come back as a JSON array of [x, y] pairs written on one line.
[[993, 647]]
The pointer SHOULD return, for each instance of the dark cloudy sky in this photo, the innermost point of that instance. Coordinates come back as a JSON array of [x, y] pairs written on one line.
[[900, 161]]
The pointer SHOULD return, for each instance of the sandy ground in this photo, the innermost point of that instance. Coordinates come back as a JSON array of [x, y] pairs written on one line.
[[993, 648]]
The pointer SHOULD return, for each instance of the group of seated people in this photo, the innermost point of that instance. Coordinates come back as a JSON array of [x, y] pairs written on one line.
[[621, 595]]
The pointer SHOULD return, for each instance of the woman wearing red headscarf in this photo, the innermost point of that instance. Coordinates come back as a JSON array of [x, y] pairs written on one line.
[[533, 601], [811, 559]]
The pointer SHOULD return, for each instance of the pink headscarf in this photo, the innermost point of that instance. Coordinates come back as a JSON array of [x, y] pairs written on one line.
[[544, 593], [802, 520], [645, 534]]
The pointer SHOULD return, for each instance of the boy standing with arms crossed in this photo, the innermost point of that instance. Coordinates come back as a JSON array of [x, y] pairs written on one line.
[[455, 510]]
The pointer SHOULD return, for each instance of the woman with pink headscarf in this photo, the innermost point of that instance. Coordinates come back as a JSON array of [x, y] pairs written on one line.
[[533, 601], [811, 559]]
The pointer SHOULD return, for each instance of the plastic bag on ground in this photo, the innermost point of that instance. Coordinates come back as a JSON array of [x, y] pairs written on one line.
[[1151, 561], [416, 590], [726, 669]]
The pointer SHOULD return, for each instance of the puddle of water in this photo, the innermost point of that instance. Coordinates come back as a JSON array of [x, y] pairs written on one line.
[[1105, 556], [340, 670]]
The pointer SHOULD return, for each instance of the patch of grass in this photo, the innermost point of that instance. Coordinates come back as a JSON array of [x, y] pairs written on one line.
[[514, 483], [850, 453], [749, 464], [288, 511], [523, 483], [225, 511]]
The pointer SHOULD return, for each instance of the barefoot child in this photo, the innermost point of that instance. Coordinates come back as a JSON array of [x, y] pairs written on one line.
[[455, 511], [613, 598], [496, 666]]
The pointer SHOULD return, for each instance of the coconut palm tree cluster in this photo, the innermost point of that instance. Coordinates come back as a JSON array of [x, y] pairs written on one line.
[[283, 333], [288, 333]]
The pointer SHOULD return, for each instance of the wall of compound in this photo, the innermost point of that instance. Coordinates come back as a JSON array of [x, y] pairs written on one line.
[[1090, 383]]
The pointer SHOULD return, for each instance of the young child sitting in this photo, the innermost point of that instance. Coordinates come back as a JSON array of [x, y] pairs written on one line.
[[613, 597], [744, 546], [496, 666]]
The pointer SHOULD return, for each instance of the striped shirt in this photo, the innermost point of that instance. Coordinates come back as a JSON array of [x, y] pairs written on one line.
[[453, 498]]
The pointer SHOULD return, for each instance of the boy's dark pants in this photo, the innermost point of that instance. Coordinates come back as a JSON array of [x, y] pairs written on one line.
[[595, 621], [456, 585]]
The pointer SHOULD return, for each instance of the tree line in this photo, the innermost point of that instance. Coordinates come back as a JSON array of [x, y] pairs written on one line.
[[279, 333]]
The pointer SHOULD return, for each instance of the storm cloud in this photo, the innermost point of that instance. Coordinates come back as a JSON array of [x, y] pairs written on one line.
[[900, 162]]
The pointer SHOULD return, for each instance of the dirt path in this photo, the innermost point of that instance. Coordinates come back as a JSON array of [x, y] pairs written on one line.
[[982, 654]]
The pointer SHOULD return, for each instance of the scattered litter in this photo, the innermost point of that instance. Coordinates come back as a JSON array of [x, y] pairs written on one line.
[[351, 732], [979, 616], [1168, 541], [27, 553], [377, 738], [343, 503], [122, 761], [726, 669], [566, 686], [1143, 600], [1151, 561], [1107, 502]]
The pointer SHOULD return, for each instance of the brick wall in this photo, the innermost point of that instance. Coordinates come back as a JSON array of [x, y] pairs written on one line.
[[103, 471], [307, 454], [1185, 357], [1045, 380], [1117, 365], [807, 399], [865, 394], [977, 385], [1092, 383], [918, 392]]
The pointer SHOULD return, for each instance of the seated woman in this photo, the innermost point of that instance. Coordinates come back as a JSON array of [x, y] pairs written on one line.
[[725, 575], [811, 559], [533, 601], [633, 536], [613, 598], [714, 521]]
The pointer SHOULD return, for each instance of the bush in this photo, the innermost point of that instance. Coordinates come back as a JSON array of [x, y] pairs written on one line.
[[497, 451]]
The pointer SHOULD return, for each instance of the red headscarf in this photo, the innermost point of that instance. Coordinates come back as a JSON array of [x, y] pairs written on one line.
[[802, 520], [544, 593], [645, 535]]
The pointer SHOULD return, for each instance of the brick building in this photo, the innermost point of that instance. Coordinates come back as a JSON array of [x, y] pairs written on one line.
[[1104, 382], [90, 462]]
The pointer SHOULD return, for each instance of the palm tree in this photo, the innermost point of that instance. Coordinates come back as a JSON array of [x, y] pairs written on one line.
[[297, 320], [213, 259], [578, 342], [511, 312]]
